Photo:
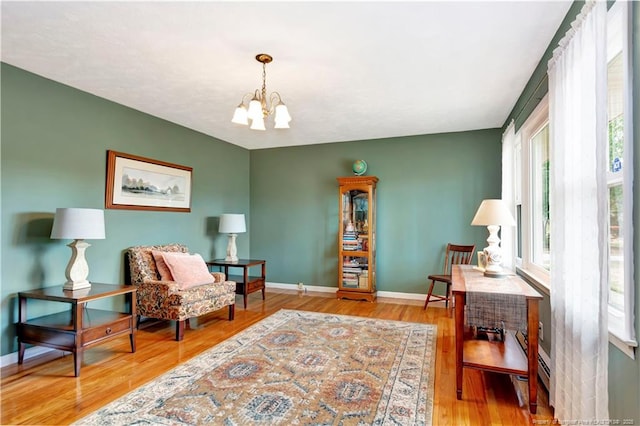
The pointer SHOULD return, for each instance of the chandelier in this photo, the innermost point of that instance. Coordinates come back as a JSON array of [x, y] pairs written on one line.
[[259, 109]]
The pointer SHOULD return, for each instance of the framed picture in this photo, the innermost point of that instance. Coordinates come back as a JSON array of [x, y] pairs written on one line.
[[138, 183], [482, 260]]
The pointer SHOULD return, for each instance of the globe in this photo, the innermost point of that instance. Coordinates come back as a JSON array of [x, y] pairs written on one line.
[[359, 167]]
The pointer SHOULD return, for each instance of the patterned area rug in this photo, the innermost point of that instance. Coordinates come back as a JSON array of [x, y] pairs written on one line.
[[295, 368]]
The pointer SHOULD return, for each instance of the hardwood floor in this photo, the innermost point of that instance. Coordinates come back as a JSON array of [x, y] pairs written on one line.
[[44, 391]]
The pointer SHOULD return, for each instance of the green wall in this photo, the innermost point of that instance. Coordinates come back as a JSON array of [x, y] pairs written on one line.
[[54, 144], [430, 187]]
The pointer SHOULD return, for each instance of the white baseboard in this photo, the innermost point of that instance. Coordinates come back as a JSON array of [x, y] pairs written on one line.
[[324, 289], [284, 286], [397, 295], [32, 352]]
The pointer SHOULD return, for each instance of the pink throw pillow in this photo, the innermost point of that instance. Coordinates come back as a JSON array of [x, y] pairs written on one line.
[[161, 266], [188, 271]]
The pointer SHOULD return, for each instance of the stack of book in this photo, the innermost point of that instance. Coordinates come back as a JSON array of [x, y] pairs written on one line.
[[363, 279], [355, 273], [349, 279], [350, 241]]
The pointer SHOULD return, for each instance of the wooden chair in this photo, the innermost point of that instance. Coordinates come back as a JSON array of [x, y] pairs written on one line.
[[454, 255]]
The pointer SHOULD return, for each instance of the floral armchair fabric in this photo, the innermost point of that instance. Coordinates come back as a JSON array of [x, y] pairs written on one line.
[[164, 299]]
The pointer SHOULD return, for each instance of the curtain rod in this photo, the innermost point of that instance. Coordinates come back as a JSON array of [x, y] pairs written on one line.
[[542, 80]]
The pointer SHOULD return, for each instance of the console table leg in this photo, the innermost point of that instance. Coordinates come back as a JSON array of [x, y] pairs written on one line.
[[532, 350], [21, 348], [77, 362], [132, 339], [459, 300], [22, 317]]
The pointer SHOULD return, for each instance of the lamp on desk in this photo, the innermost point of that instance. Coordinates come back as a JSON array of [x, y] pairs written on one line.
[[493, 214], [232, 224], [77, 225]]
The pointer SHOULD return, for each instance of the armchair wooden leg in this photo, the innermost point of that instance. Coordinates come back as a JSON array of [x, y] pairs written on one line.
[[426, 302], [232, 311], [180, 330]]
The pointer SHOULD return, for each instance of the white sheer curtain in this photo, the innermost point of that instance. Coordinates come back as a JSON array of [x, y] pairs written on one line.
[[507, 233], [578, 210]]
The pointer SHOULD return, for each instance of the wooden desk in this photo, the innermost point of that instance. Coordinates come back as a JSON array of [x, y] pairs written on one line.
[[245, 284], [80, 327], [502, 357]]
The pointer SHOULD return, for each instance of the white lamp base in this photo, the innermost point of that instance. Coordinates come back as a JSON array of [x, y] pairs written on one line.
[[493, 254], [232, 251], [77, 269]]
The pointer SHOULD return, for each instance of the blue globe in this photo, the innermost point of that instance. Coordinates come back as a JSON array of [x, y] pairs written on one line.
[[359, 167]]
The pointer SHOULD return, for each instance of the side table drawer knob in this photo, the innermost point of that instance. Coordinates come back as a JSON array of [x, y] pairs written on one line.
[[108, 330]]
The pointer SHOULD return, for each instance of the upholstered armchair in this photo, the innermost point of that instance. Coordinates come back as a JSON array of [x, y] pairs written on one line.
[[158, 296]]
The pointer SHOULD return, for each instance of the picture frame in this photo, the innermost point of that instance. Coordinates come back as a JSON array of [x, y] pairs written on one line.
[[482, 260], [139, 183]]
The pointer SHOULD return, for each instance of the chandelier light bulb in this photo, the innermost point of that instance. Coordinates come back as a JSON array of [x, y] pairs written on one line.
[[257, 124], [282, 117], [240, 115], [255, 108], [282, 113]]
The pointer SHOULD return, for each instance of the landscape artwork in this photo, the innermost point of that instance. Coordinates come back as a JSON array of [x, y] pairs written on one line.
[[138, 183]]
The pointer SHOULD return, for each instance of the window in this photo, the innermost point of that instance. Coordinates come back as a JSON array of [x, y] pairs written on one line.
[[531, 156], [621, 327], [533, 224], [540, 197]]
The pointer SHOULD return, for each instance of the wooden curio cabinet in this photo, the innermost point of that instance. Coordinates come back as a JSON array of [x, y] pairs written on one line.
[[357, 238]]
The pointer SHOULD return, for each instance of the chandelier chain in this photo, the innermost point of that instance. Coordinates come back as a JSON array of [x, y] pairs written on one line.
[[265, 110]]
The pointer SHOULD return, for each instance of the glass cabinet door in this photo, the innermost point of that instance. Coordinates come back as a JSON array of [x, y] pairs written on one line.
[[356, 245]]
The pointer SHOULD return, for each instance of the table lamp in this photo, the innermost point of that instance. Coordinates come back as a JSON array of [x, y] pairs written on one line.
[[232, 224], [77, 225], [493, 214]]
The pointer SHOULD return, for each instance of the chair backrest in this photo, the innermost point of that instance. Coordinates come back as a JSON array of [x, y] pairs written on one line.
[[457, 255], [140, 265]]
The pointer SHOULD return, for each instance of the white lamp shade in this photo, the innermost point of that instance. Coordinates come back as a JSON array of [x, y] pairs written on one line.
[[282, 113], [281, 124], [255, 109], [240, 115], [257, 124], [78, 224], [493, 212], [232, 224]]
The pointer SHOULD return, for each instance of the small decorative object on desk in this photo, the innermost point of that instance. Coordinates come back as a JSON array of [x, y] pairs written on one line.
[[482, 261], [359, 167]]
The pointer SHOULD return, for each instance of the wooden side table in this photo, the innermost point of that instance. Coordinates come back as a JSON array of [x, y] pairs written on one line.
[[502, 357], [80, 327], [245, 284]]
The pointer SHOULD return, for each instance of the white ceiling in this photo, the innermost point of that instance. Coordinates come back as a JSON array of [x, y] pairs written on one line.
[[346, 70]]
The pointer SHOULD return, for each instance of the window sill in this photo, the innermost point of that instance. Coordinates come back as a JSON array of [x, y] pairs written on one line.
[[534, 280], [627, 348], [618, 336]]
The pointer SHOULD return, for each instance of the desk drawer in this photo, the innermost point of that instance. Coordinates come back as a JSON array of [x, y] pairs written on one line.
[[255, 286], [49, 337], [104, 331]]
